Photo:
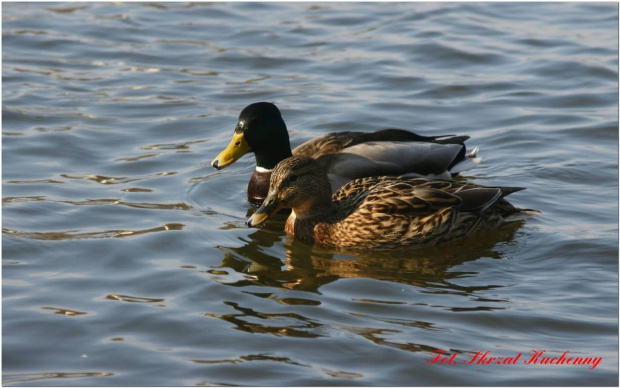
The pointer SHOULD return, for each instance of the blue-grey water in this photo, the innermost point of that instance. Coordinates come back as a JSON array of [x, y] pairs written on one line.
[[126, 260]]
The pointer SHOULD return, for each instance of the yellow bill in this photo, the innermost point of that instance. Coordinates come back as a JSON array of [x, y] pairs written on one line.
[[236, 149]]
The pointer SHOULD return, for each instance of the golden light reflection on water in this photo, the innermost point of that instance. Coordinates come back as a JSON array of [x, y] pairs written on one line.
[[103, 201], [67, 312], [76, 235]]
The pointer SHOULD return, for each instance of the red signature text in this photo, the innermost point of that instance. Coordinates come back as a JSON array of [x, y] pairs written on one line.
[[534, 357]]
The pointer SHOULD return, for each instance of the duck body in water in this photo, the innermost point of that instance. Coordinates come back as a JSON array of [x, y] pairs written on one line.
[[344, 155], [381, 212]]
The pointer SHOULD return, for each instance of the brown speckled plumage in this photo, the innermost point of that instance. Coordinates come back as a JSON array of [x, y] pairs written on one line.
[[383, 212]]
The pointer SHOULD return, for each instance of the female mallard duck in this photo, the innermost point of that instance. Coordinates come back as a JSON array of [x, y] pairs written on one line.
[[344, 155], [380, 212]]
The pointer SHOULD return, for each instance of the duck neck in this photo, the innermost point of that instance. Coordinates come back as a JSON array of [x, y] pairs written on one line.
[[321, 207], [302, 222], [268, 158], [273, 148]]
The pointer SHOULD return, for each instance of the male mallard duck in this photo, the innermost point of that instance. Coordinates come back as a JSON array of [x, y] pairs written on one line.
[[344, 155], [380, 212]]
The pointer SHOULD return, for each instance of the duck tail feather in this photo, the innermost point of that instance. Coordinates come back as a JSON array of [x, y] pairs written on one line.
[[479, 199], [473, 153], [522, 214], [507, 190], [465, 165]]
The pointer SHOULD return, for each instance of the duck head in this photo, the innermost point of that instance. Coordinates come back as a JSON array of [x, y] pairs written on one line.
[[297, 183], [261, 130]]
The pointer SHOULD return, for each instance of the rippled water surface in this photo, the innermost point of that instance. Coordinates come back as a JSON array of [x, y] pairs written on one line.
[[126, 260]]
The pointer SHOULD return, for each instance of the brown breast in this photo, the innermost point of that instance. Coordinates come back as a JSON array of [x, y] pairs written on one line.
[[258, 187]]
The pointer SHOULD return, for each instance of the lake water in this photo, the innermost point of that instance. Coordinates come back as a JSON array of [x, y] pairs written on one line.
[[126, 260]]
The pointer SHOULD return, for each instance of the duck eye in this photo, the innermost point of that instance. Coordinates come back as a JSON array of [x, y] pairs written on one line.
[[293, 178]]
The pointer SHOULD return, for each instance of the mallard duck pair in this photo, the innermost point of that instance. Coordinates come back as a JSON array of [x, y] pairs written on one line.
[[364, 190]]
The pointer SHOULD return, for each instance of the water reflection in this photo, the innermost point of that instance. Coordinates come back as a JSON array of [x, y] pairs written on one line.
[[382, 336], [26, 377], [110, 180], [280, 324], [133, 299], [67, 312], [268, 260], [307, 269], [251, 357], [76, 235]]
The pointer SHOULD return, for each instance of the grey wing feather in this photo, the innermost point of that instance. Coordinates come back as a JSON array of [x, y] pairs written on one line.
[[392, 158]]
